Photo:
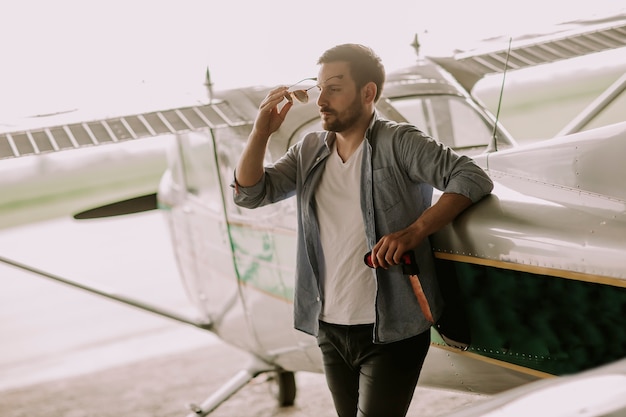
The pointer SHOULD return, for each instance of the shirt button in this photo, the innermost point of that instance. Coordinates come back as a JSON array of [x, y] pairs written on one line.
[[317, 299]]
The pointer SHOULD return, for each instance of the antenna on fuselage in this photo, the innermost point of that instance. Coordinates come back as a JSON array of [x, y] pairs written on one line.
[[493, 146], [416, 45], [209, 84]]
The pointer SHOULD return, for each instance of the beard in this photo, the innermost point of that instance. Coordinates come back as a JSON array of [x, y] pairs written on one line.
[[346, 119]]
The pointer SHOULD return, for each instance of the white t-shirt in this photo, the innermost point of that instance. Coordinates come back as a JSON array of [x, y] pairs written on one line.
[[350, 287]]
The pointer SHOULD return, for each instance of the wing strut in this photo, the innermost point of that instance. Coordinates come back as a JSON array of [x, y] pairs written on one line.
[[205, 325]]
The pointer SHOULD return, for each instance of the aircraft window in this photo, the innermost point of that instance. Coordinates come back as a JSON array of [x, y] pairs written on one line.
[[230, 143], [207, 173], [194, 168], [449, 119]]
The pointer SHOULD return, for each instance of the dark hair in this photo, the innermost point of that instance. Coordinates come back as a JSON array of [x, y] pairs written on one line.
[[365, 65]]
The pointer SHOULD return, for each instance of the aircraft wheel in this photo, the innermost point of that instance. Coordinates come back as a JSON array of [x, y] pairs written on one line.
[[284, 388]]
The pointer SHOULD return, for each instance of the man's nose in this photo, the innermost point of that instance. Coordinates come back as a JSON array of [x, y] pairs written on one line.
[[321, 98]]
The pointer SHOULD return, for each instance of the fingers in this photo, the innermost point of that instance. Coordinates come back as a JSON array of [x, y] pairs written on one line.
[[389, 249], [384, 259], [271, 115], [281, 112], [386, 253], [274, 97]]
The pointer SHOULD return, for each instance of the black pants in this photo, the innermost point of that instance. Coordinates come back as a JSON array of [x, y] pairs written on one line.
[[367, 379]]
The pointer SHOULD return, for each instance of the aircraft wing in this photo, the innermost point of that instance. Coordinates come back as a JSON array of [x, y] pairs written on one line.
[[83, 134], [63, 167], [568, 40]]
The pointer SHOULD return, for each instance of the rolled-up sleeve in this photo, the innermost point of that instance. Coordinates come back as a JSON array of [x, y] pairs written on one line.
[[277, 183], [438, 165], [468, 179], [248, 197]]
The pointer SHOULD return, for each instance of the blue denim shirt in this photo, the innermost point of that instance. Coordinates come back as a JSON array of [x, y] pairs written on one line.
[[400, 167]]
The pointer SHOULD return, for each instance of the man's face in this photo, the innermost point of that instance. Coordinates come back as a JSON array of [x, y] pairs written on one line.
[[339, 101]]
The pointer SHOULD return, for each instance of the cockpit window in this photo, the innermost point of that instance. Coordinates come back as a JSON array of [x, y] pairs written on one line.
[[448, 119]]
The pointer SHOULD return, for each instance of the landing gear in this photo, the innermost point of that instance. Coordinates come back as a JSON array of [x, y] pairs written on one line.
[[283, 387]]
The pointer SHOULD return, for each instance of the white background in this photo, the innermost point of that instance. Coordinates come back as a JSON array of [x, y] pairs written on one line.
[[62, 55]]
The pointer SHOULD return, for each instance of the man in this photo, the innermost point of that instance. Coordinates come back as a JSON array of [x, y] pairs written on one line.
[[364, 184]]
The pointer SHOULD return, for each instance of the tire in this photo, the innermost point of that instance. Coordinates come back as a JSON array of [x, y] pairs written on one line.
[[284, 388]]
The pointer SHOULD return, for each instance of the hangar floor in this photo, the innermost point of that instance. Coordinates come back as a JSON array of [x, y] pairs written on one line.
[[164, 386]]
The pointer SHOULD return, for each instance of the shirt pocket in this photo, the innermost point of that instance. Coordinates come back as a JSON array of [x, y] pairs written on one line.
[[387, 194]]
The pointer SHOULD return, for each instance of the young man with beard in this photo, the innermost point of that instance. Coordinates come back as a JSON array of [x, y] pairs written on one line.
[[363, 184]]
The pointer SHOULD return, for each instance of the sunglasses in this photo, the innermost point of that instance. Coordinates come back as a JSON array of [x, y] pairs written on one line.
[[302, 95]]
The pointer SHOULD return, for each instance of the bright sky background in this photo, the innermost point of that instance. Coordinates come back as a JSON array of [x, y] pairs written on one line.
[[64, 54]]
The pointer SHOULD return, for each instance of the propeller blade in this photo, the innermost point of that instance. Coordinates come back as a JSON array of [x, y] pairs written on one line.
[[132, 205]]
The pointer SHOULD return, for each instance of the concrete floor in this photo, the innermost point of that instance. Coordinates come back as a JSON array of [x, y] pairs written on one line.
[[164, 386]]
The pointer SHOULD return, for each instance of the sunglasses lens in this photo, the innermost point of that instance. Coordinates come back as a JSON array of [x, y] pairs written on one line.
[[301, 95]]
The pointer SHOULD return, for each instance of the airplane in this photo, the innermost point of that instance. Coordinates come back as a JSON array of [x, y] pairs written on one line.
[[599, 392], [532, 275]]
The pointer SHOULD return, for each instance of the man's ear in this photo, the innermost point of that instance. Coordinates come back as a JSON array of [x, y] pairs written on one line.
[[369, 91]]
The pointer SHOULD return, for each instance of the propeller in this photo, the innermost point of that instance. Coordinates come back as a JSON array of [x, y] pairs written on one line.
[[133, 205]]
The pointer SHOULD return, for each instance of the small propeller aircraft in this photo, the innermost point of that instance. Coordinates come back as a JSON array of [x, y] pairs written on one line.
[[533, 276]]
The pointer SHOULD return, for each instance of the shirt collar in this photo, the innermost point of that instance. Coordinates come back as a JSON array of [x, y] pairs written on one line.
[[370, 128]]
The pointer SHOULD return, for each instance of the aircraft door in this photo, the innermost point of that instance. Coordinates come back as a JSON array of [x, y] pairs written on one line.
[[193, 197], [264, 243]]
